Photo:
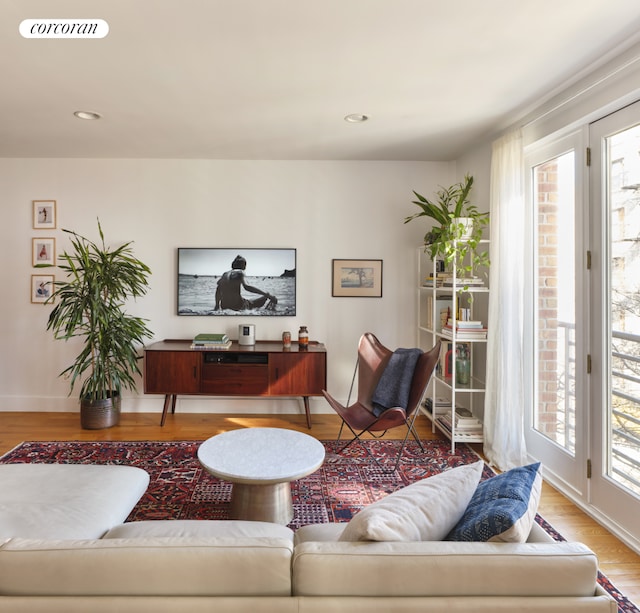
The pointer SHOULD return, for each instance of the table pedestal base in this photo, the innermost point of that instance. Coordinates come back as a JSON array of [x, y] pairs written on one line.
[[255, 502]]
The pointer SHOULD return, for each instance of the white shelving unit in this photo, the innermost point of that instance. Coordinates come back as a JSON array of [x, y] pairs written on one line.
[[447, 393]]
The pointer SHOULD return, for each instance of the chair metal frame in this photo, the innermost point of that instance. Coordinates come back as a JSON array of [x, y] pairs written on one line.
[[372, 359]]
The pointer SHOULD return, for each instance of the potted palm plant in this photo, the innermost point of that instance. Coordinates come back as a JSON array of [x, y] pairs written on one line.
[[459, 227], [90, 304]]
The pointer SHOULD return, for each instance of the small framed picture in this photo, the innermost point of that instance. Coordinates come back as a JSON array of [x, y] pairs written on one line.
[[42, 287], [44, 214], [43, 251], [357, 278]]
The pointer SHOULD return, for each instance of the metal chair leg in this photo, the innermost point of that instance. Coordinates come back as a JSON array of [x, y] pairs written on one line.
[[404, 442], [356, 438]]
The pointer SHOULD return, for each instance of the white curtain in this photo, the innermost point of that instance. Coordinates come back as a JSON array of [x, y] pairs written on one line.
[[504, 443]]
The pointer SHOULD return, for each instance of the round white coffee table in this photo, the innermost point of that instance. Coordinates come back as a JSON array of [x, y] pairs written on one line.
[[261, 463]]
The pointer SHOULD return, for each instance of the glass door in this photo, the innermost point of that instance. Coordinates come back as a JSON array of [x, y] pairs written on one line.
[[615, 321], [556, 342]]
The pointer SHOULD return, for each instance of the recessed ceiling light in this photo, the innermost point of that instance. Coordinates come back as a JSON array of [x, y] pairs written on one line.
[[356, 118], [87, 115]]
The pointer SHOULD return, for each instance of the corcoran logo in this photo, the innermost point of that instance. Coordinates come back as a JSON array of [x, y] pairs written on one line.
[[64, 28]]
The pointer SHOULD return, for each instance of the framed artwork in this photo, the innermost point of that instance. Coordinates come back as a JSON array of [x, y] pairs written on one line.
[[42, 287], [43, 251], [357, 278], [44, 214], [236, 281]]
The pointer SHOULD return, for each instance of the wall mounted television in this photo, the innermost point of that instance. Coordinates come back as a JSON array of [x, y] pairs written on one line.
[[234, 281]]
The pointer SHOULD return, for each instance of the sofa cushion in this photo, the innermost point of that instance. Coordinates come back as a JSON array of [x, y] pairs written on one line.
[[153, 566], [200, 528], [319, 532], [502, 508], [331, 532], [61, 501], [423, 511], [445, 569]]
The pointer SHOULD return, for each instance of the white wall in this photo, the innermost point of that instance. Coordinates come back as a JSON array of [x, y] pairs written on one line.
[[323, 209]]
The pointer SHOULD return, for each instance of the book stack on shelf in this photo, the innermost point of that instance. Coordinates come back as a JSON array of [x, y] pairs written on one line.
[[211, 342], [465, 422], [442, 406], [437, 280], [466, 282], [465, 330]]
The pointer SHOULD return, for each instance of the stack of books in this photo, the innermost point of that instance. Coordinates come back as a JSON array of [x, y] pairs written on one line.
[[471, 282], [442, 406], [211, 341], [437, 280], [465, 422], [465, 330]]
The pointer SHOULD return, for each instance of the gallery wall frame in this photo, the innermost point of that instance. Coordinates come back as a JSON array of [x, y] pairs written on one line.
[[43, 251], [44, 214], [356, 278], [42, 286]]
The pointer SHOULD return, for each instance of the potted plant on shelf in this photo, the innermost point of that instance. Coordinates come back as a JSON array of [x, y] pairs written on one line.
[[90, 304], [459, 229]]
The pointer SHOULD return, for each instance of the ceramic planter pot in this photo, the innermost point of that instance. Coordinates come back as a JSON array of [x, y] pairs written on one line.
[[100, 414], [467, 226]]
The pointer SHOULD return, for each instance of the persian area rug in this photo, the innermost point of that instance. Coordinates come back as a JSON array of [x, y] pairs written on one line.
[[180, 488]]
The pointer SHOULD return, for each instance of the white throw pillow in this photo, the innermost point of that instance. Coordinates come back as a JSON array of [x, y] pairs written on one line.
[[423, 511]]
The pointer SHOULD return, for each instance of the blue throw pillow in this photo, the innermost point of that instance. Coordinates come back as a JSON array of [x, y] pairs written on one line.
[[502, 508]]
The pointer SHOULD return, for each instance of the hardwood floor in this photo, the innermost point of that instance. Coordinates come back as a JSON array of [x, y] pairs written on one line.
[[618, 562]]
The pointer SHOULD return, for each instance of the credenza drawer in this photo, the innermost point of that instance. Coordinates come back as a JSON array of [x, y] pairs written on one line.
[[235, 379]]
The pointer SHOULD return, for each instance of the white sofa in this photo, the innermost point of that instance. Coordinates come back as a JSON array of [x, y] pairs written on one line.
[[195, 566]]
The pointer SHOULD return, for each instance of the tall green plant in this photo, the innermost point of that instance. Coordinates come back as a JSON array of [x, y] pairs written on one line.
[[451, 202], [91, 304], [445, 239]]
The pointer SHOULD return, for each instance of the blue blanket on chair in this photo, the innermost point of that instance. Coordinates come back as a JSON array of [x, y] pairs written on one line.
[[394, 385]]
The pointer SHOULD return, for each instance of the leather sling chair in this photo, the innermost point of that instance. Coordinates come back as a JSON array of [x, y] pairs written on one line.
[[359, 417]]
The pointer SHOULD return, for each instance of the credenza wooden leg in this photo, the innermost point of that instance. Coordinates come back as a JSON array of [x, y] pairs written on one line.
[[167, 400], [307, 410]]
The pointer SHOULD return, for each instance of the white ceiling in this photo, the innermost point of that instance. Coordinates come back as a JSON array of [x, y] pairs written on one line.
[[273, 79]]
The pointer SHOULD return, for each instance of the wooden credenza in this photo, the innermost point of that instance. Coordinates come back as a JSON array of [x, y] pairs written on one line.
[[171, 367]]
